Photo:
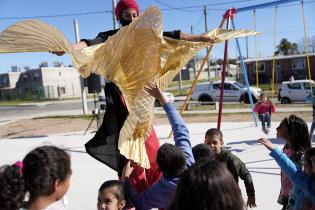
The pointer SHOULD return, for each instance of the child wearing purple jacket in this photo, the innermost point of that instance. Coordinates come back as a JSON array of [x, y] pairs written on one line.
[[172, 160]]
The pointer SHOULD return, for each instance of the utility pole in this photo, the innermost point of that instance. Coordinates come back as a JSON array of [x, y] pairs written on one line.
[[82, 80], [180, 83], [194, 58], [206, 29], [246, 47], [113, 11]]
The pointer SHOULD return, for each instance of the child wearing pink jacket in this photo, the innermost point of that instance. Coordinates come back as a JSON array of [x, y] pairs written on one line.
[[264, 108]]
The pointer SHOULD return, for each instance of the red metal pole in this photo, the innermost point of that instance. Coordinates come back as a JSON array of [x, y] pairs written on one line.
[[228, 15]]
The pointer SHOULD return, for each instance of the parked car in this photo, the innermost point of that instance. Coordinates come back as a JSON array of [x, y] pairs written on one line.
[[169, 95], [294, 91], [233, 91], [101, 97]]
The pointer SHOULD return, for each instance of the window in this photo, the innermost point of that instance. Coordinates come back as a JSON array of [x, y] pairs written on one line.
[[239, 84], [228, 86], [216, 86], [24, 78], [5, 80], [36, 76], [298, 63], [61, 90], [278, 66], [261, 67], [294, 86], [307, 85]]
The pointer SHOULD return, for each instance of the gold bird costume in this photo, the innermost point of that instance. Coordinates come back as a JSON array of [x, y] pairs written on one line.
[[136, 55]]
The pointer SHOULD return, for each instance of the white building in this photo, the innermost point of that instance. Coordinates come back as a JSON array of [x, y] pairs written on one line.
[[43, 83], [8, 80]]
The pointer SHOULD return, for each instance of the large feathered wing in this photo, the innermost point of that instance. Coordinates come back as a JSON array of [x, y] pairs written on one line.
[[32, 36], [135, 56]]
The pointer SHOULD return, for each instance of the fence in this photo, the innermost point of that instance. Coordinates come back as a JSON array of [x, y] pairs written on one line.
[[46, 92]]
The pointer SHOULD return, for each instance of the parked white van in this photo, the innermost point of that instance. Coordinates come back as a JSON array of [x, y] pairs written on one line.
[[294, 91]]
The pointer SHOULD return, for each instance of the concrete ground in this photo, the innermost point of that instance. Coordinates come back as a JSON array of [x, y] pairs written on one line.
[[89, 174]]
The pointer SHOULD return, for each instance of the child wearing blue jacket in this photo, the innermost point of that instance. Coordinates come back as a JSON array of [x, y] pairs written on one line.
[[304, 182], [172, 160]]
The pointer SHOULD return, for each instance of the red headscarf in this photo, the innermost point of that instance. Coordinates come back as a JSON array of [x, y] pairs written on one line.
[[125, 4]]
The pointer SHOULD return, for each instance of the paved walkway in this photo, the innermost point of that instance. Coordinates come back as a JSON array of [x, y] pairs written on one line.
[[88, 174], [160, 110]]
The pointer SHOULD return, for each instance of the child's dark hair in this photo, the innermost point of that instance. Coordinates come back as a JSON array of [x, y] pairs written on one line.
[[298, 132], [12, 188], [214, 132], [171, 160], [207, 185], [307, 156], [262, 96], [202, 151], [119, 192], [37, 175]]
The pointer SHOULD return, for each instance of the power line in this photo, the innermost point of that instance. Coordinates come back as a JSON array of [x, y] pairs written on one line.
[[199, 21], [286, 32], [174, 8], [198, 30], [163, 9], [201, 6], [53, 16]]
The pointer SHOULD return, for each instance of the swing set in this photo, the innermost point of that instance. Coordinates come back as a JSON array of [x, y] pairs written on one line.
[[228, 18]]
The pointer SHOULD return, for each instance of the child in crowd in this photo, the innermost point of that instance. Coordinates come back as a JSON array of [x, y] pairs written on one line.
[[202, 151], [207, 185], [42, 178], [294, 131], [111, 196], [172, 160], [304, 182], [264, 108], [311, 99], [214, 139]]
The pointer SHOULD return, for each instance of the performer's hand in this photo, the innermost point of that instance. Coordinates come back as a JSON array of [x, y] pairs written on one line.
[[76, 46], [267, 143], [195, 38], [79, 45], [251, 202], [59, 53], [153, 90], [203, 38], [127, 170]]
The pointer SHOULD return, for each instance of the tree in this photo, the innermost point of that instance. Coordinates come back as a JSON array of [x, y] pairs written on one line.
[[287, 48], [310, 44]]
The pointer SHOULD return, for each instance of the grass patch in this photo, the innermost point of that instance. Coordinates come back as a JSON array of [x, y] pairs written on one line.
[[267, 86], [195, 107], [21, 101], [86, 117], [176, 92], [30, 101]]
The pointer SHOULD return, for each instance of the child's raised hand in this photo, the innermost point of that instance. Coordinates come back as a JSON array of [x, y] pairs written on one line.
[[267, 143], [153, 90], [251, 202], [127, 170]]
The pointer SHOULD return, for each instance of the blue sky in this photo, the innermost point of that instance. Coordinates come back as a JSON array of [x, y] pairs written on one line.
[[289, 22]]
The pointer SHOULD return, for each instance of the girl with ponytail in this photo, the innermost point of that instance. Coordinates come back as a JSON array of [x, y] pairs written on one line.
[[42, 178]]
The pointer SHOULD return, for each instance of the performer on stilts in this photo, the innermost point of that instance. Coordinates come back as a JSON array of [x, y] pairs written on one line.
[[103, 146]]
